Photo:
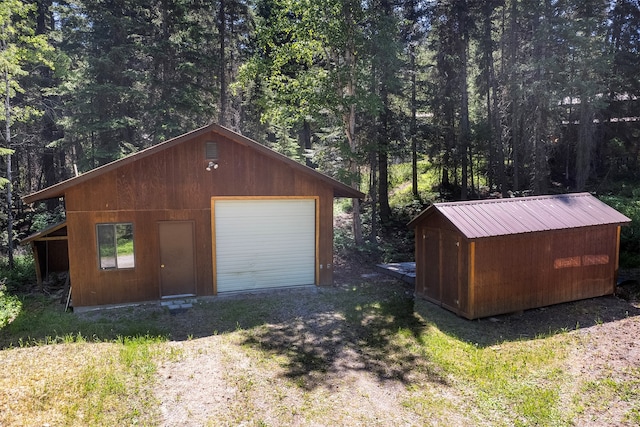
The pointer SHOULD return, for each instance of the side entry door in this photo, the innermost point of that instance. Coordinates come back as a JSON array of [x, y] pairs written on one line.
[[177, 258]]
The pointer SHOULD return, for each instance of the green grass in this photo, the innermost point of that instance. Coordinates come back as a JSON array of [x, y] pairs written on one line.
[[23, 273], [303, 358], [400, 183], [604, 391]]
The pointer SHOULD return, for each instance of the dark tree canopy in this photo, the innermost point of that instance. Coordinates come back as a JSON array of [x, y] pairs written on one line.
[[497, 96]]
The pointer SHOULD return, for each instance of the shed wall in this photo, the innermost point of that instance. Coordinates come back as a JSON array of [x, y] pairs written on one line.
[[520, 272], [52, 256], [174, 185]]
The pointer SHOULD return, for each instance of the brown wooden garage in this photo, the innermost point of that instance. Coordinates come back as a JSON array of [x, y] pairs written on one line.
[[489, 257], [210, 211]]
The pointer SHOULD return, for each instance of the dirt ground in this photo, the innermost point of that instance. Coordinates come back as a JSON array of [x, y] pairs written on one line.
[[209, 380]]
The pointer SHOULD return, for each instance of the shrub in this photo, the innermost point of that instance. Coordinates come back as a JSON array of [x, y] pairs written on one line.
[[10, 306], [23, 273]]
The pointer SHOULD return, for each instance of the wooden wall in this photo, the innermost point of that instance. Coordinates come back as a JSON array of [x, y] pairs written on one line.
[[485, 277], [173, 184], [431, 270], [515, 273]]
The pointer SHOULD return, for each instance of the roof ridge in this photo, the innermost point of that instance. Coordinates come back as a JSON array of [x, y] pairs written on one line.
[[512, 199]]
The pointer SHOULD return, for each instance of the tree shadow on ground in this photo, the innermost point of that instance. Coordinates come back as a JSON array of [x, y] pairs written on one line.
[[354, 333], [321, 333], [529, 324]]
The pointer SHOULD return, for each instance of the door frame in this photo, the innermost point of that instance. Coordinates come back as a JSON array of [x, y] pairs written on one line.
[[214, 199]]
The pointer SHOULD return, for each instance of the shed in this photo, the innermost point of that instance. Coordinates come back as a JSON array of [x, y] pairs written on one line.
[[489, 257], [50, 251], [207, 212]]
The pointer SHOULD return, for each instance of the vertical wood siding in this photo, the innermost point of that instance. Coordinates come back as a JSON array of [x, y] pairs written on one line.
[[173, 184]]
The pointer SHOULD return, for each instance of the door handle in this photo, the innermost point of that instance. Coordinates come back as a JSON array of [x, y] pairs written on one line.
[[161, 265]]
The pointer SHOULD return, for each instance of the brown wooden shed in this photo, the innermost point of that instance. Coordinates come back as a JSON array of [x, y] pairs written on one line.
[[489, 257], [50, 250], [208, 212]]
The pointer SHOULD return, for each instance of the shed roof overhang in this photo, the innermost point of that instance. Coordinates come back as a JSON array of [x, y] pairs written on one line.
[[49, 233], [58, 190]]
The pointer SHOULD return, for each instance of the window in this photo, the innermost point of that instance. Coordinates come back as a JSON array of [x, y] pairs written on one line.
[[115, 246]]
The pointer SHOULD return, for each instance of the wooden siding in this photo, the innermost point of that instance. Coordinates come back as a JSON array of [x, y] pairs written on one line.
[[173, 184], [488, 276], [520, 272]]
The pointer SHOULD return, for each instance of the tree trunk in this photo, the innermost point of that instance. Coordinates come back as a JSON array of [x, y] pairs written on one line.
[[373, 186], [348, 91], [465, 131], [305, 142], [222, 24], [584, 146], [383, 162], [7, 109], [350, 130], [413, 125], [513, 98]]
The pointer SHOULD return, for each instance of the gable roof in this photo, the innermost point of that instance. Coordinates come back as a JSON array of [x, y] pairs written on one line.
[[498, 217], [58, 190]]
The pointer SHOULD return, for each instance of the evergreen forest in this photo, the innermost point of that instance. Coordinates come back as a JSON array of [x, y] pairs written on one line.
[[411, 101]]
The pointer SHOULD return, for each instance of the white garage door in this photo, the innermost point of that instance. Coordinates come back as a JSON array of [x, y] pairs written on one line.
[[264, 243]]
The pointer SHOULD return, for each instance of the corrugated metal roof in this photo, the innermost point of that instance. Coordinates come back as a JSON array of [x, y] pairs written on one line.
[[497, 217]]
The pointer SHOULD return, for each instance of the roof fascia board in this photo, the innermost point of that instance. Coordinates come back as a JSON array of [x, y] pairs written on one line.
[[42, 233]]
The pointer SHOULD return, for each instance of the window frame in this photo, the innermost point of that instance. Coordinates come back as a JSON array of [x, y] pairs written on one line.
[[114, 243]]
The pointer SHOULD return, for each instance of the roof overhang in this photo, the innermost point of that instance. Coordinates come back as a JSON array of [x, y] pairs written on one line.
[[46, 234]]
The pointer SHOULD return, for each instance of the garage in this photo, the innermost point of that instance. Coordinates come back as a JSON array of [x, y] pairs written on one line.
[[262, 243], [206, 212]]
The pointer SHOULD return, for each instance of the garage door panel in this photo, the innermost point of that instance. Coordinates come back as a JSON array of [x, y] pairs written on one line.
[[247, 280], [289, 224], [264, 243]]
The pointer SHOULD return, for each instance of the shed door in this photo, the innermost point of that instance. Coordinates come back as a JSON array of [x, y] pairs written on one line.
[[450, 270], [264, 243], [429, 277], [177, 258]]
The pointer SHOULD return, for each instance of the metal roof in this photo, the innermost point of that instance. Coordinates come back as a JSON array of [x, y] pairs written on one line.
[[498, 217]]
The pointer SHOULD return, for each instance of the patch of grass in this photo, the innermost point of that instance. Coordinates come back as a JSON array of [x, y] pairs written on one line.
[[600, 393], [43, 321], [23, 273], [107, 383], [521, 379], [400, 183]]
